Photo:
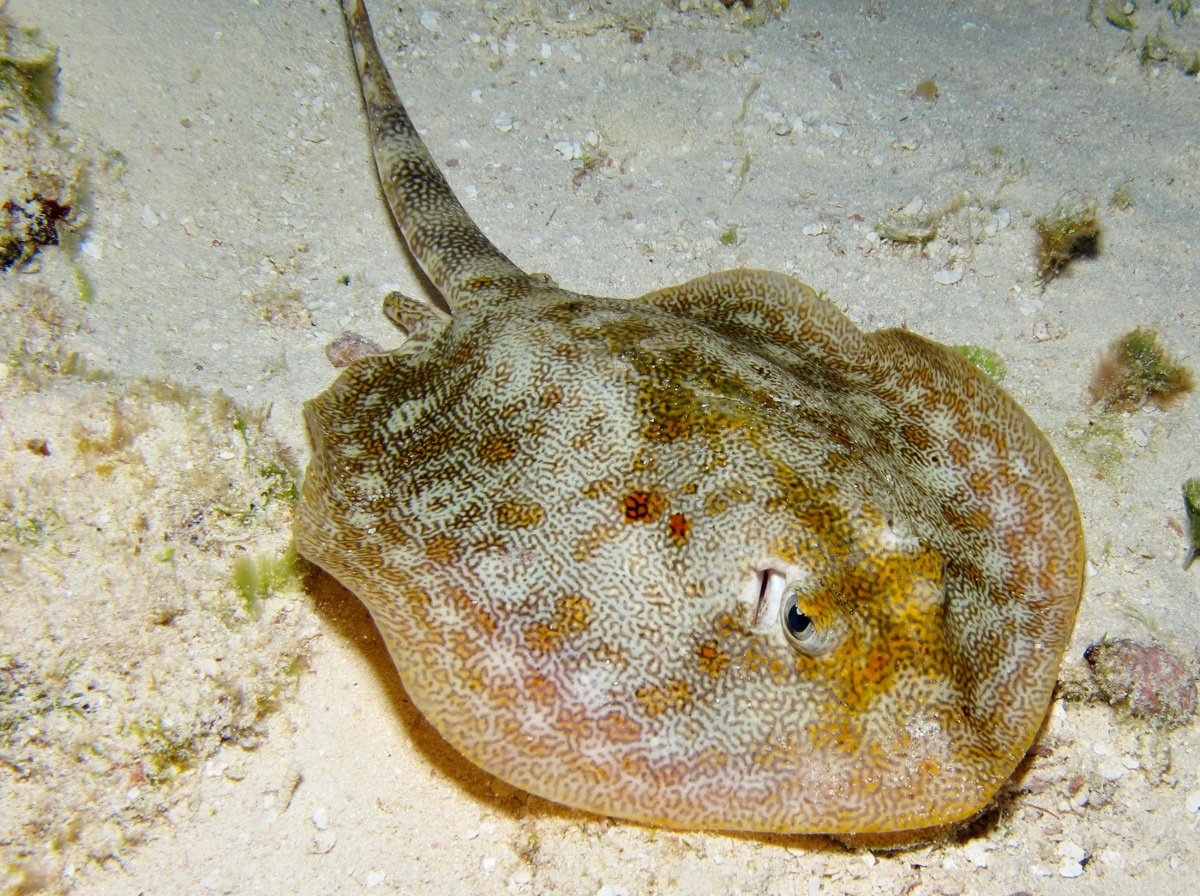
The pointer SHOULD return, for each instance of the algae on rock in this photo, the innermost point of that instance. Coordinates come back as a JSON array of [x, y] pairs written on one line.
[[40, 195]]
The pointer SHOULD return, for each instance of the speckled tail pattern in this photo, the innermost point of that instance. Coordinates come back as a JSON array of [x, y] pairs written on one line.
[[459, 259]]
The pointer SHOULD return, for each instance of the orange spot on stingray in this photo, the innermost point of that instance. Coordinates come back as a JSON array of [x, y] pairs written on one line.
[[681, 526]]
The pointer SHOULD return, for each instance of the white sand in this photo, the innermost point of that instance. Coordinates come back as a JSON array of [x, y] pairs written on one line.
[[217, 259]]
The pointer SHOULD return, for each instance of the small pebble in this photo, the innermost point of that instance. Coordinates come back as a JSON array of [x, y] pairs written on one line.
[[1069, 868], [1145, 679], [323, 842], [568, 149], [976, 852], [1073, 856], [348, 348], [946, 276], [429, 21], [1069, 849], [997, 222]]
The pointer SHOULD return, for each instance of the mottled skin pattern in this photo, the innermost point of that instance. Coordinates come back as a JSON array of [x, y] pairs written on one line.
[[708, 558]]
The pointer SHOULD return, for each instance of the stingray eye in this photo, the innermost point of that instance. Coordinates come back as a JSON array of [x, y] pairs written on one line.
[[800, 629], [798, 626]]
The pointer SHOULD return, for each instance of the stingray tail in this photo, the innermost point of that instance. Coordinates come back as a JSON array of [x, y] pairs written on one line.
[[459, 259]]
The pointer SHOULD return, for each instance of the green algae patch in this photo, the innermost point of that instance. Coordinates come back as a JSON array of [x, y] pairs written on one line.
[[40, 193], [1071, 231], [985, 359], [1135, 371]]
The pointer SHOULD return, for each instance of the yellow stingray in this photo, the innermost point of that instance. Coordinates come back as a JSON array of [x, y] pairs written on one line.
[[708, 558]]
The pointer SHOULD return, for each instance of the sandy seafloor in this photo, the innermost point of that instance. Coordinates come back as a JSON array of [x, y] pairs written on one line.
[[244, 231]]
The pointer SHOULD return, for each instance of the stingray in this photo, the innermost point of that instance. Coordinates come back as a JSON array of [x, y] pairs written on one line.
[[708, 558]]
